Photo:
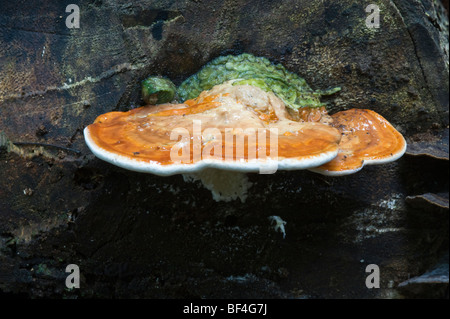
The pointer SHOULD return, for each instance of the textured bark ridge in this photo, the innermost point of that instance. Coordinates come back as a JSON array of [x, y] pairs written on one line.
[[137, 235]]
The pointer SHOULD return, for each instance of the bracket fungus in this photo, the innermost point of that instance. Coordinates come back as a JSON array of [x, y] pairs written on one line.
[[239, 115], [231, 128], [367, 139]]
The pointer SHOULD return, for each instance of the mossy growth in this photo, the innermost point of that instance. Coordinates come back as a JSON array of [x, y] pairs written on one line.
[[244, 69]]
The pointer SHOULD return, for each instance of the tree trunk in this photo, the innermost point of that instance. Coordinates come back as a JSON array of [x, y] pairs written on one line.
[[137, 235]]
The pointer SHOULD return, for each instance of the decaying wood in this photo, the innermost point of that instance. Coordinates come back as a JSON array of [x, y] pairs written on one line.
[[136, 235]]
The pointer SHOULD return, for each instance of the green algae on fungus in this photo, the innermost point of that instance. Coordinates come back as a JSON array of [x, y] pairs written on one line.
[[158, 90], [246, 69]]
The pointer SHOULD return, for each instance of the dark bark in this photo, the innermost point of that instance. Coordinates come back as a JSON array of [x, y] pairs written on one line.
[[136, 235]]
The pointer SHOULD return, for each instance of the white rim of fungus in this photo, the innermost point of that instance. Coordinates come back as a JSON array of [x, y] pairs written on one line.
[[173, 169]]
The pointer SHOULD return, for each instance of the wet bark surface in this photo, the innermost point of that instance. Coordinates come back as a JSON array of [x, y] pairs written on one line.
[[138, 235]]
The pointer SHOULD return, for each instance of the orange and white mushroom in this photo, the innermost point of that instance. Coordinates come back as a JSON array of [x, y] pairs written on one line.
[[231, 130], [225, 132], [147, 139], [367, 139]]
